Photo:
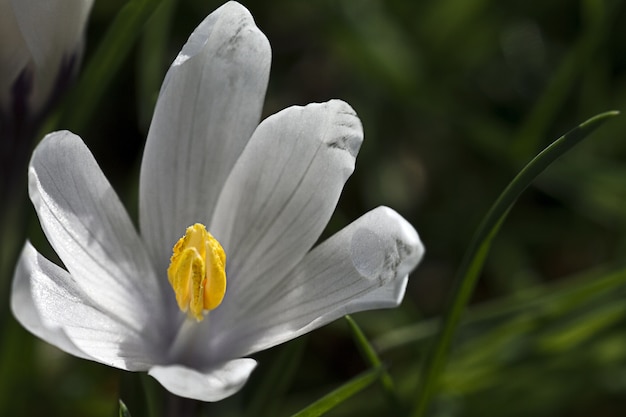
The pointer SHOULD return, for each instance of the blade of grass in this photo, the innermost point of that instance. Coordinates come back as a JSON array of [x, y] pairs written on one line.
[[339, 395], [141, 394], [559, 298], [370, 355], [123, 410], [477, 251], [581, 329], [105, 62]]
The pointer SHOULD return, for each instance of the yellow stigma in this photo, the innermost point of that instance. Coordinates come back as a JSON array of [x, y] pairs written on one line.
[[197, 271]]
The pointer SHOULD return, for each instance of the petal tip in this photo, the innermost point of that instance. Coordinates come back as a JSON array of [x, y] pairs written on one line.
[[233, 27], [215, 385], [388, 248], [349, 135], [408, 242]]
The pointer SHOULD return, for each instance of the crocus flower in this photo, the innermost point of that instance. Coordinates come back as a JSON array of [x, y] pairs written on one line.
[[249, 199], [40, 46], [40, 41]]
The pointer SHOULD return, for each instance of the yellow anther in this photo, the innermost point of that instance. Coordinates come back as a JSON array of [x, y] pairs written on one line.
[[197, 271]]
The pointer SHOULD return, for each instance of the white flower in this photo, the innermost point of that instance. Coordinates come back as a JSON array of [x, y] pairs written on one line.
[[39, 44], [266, 191]]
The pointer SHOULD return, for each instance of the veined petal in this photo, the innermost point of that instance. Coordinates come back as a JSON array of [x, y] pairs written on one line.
[[48, 302], [208, 107], [388, 296], [213, 385], [14, 55], [30, 265], [91, 232], [53, 30], [281, 194], [363, 266]]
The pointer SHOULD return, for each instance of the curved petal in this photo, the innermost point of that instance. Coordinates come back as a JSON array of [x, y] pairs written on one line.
[[364, 266], [91, 232], [388, 296], [209, 105], [30, 265], [213, 385], [53, 31], [48, 302], [282, 192], [14, 55]]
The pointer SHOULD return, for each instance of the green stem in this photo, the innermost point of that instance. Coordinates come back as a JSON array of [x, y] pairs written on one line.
[[472, 263]]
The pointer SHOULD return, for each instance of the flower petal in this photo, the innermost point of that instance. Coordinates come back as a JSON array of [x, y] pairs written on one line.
[[282, 192], [30, 265], [48, 302], [91, 232], [388, 296], [213, 385], [364, 266], [14, 55], [208, 107], [53, 31]]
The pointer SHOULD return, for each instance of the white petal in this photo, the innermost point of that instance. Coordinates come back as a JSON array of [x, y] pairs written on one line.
[[388, 296], [29, 267], [49, 303], [282, 192], [14, 54], [91, 232], [364, 266], [213, 385], [53, 30], [209, 105]]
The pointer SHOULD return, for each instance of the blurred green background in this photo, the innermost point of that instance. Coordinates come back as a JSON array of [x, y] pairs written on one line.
[[455, 97]]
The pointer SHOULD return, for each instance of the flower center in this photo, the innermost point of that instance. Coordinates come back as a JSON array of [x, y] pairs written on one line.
[[197, 271]]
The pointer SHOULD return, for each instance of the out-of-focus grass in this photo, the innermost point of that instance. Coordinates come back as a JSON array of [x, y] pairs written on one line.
[[455, 96]]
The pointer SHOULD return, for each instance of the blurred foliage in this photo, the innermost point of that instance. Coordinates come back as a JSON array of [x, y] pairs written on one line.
[[455, 97]]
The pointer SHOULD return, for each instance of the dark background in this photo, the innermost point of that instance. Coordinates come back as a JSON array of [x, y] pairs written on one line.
[[455, 97]]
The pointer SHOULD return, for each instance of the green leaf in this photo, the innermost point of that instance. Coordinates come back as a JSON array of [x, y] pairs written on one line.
[[123, 410], [477, 251], [347, 390]]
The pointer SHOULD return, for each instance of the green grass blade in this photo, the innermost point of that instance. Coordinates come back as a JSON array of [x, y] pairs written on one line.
[[339, 395], [579, 330], [560, 298], [478, 249], [371, 357], [123, 410], [107, 59]]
